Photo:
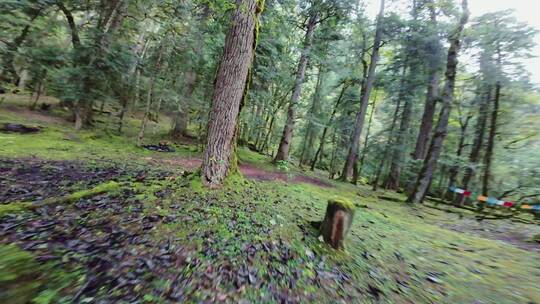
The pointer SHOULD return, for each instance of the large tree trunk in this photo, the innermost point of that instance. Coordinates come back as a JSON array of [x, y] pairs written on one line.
[[488, 157], [320, 150], [354, 144], [478, 143], [286, 138], [229, 88], [430, 163], [430, 105]]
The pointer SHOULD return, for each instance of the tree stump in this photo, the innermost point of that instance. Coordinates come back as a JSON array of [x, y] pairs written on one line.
[[337, 222]]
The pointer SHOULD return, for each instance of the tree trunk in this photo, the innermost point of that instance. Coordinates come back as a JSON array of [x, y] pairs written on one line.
[[133, 79], [320, 150], [110, 20], [313, 114], [387, 148], [331, 170], [181, 119], [268, 135], [491, 140], [229, 89], [286, 138], [474, 156], [430, 162], [39, 91], [9, 73], [366, 141], [150, 96], [364, 100], [432, 93], [392, 182], [461, 144], [337, 222]]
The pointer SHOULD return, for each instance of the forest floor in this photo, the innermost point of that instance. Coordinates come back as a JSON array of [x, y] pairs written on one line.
[[88, 217]]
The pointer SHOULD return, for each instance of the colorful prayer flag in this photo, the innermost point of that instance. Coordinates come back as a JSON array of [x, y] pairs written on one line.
[[492, 201], [482, 198], [467, 193], [508, 204]]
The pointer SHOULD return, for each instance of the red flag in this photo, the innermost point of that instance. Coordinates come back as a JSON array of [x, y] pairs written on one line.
[[467, 193], [508, 204]]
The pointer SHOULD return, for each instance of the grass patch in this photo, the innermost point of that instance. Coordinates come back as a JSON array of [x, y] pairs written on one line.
[[24, 280]]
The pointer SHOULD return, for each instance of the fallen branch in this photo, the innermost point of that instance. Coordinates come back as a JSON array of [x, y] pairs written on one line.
[[22, 206], [19, 128]]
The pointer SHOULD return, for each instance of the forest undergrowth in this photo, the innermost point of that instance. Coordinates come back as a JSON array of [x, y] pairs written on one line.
[[159, 236]]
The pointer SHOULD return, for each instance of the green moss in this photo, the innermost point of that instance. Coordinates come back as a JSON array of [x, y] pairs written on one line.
[[99, 189], [235, 180], [12, 208], [343, 202], [16, 207]]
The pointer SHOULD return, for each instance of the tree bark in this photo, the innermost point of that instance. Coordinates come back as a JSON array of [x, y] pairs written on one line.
[[430, 163], [229, 89], [491, 140], [337, 222], [364, 100], [366, 141], [432, 93], [286, 138]]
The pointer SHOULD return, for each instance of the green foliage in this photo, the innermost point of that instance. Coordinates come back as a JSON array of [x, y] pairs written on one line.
[[24, 280]]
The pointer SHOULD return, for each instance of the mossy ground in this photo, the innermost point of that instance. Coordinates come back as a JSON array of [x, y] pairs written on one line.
[[395, 253]]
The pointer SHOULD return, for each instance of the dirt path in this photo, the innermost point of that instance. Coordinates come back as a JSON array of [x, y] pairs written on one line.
[[248, 170]]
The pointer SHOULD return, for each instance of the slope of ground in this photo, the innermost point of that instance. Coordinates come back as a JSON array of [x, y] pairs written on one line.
[[160, 237]]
